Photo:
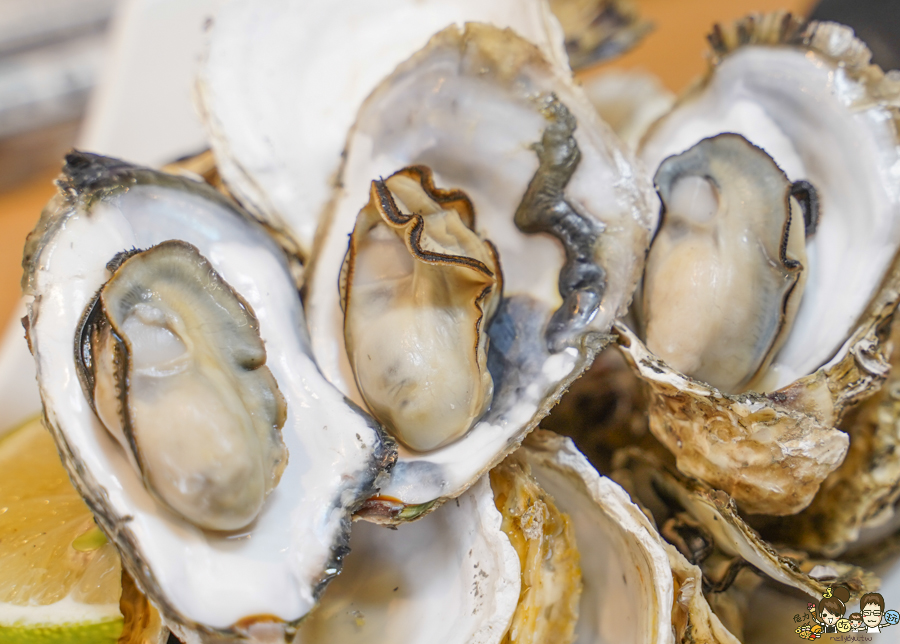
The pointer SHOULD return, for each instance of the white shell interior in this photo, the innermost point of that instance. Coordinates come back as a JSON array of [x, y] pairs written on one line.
[[628, 586], [450, 578], [214, 579], [283, 81], [475, 132], [814, 119]]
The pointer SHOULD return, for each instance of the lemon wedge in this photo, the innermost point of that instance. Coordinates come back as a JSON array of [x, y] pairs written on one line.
[[60, 580]]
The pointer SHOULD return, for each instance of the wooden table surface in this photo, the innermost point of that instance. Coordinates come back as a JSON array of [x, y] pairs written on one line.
[[674, 51]]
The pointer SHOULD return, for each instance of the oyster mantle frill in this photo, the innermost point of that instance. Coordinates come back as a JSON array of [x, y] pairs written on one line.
[[206, 584]]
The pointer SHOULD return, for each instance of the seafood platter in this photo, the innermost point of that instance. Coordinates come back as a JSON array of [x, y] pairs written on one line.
[[451, 338]]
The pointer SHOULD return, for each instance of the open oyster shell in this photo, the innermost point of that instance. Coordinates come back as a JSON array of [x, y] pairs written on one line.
[[827, 118], [450, 578], [508, 130], [637, 588], [277, 114], [207, 584], [630, 592]]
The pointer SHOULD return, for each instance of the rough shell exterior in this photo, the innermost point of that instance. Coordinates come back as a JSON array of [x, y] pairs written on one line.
[[861, 495], [769, 457]]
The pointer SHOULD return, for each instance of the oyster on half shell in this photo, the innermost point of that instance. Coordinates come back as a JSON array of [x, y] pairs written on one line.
[[261, 580], [828, 120], [552, 190]]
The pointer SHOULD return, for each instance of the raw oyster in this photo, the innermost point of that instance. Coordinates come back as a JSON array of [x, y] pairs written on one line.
[[254, 583], [827, 118], [167, 338], [427, 282], [733, 242], [276, 113], [492, 118]]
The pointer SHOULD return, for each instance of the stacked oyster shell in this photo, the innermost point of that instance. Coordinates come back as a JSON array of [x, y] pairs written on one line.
[[401, 280]]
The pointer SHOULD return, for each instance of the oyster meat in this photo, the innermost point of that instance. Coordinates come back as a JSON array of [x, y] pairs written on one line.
[[424, 281], [732, 241], [174, 366]]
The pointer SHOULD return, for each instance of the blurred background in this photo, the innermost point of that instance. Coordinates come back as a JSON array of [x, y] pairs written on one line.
[[115, 76]]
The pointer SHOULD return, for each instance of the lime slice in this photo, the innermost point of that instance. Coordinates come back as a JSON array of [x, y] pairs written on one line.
[[60, 581]]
